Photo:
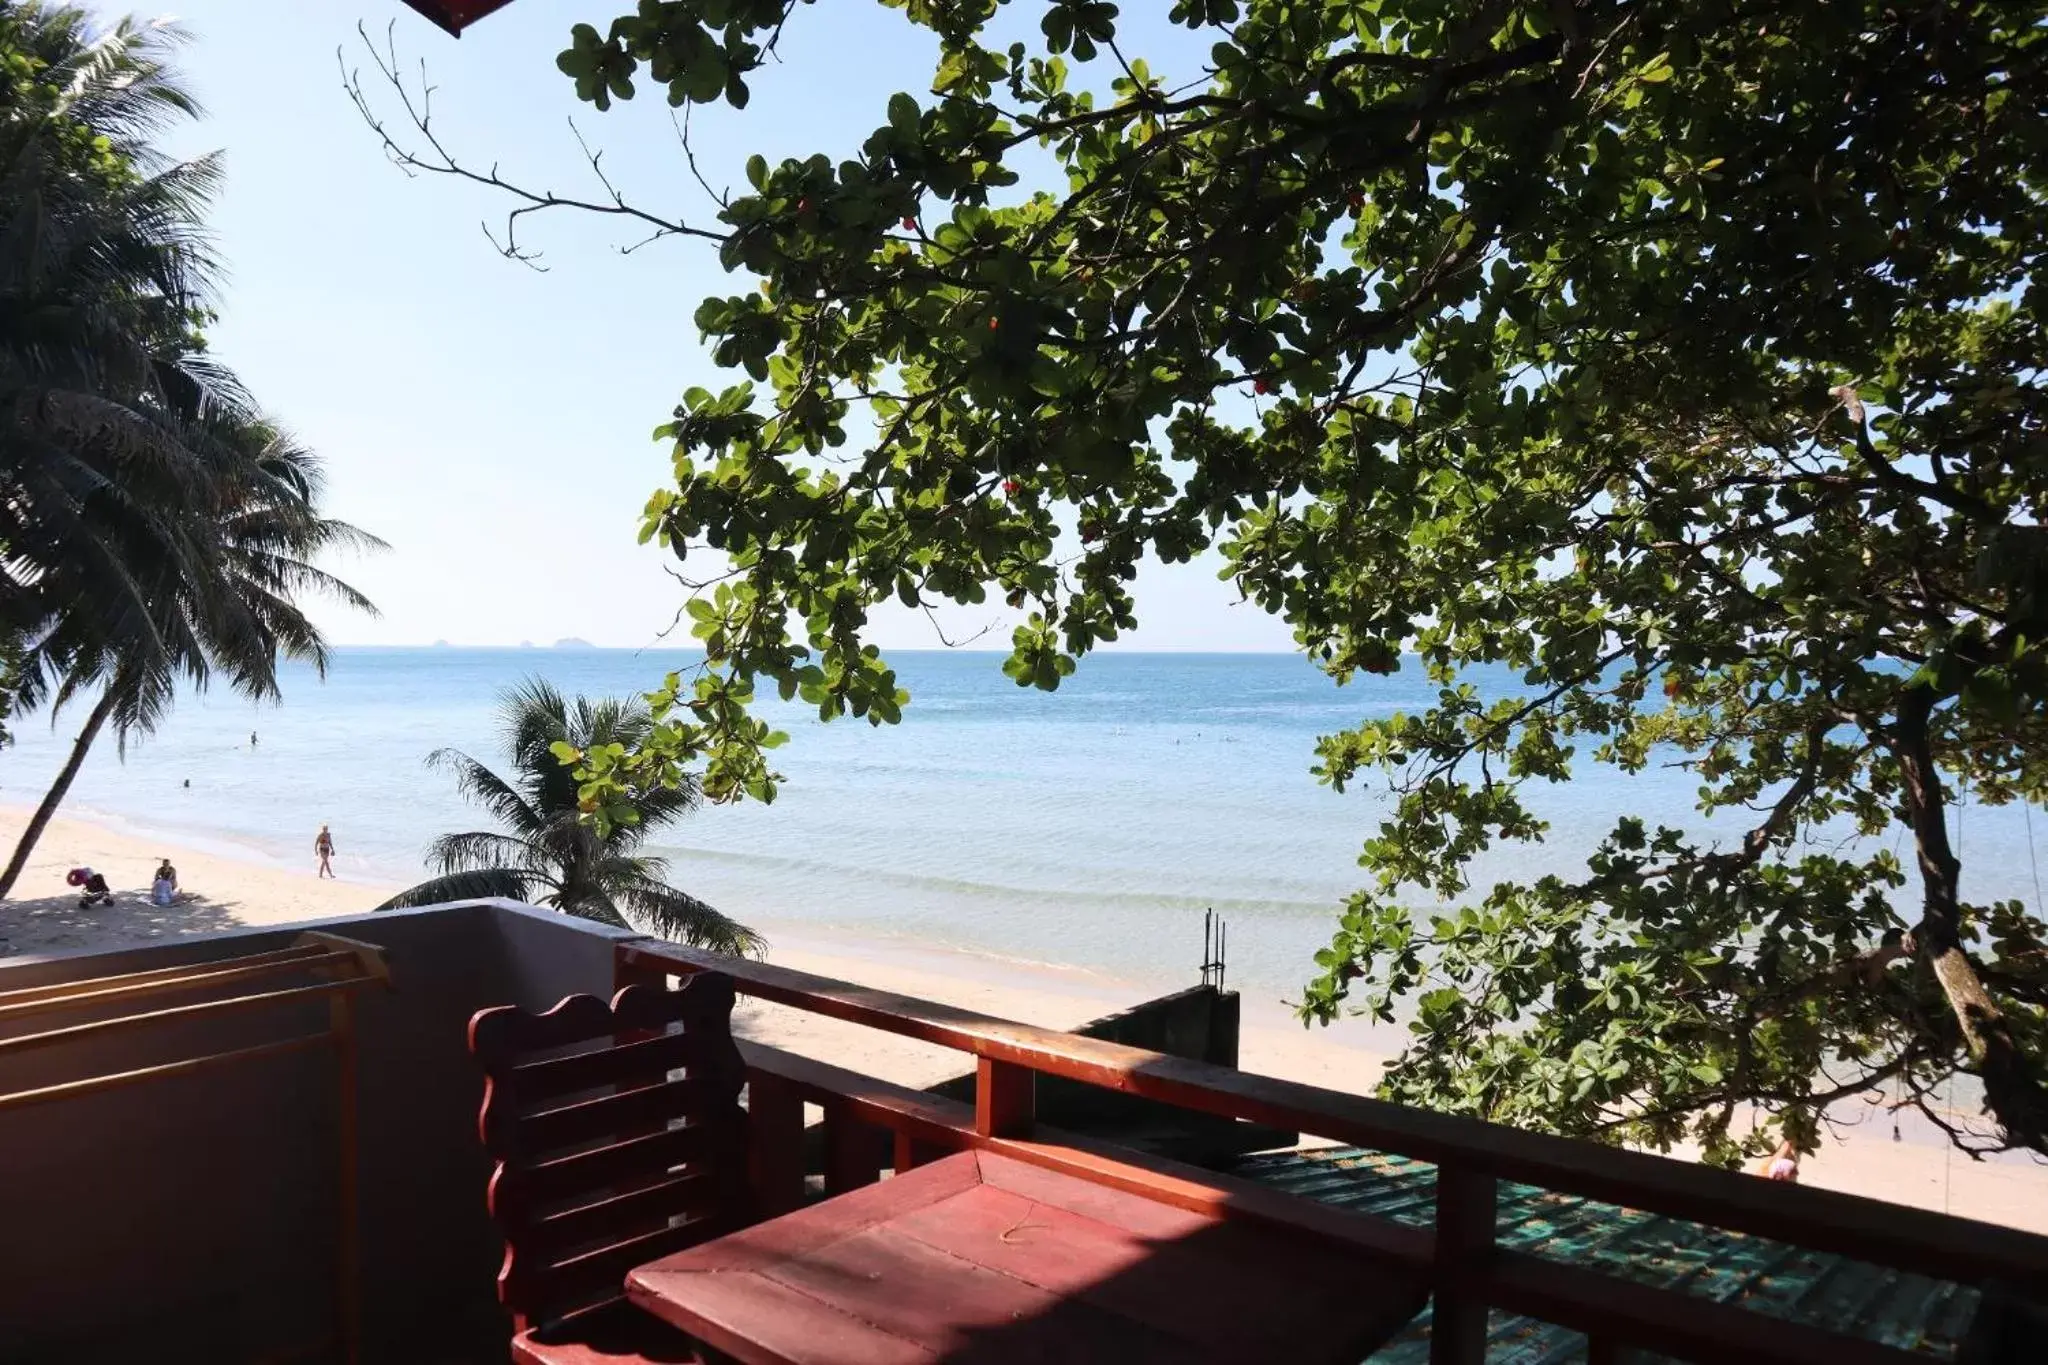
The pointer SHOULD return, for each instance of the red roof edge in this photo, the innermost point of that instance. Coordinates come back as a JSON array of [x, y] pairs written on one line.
[[453, 16]]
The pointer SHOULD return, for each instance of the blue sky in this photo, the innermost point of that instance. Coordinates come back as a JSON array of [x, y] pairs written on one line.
[[489, 421]]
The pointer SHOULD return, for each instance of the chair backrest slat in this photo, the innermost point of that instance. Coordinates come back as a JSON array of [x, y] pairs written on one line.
[[595, 1276], [605, 1157], [566, 1125], [552, 1077], [522, 1192], [622, 1216]]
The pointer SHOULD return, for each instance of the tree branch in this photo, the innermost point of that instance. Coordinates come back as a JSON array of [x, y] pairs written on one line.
[[2013, 1089], [440, 161]]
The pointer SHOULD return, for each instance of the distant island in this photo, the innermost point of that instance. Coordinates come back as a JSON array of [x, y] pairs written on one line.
[[571, 642], [442, 644]]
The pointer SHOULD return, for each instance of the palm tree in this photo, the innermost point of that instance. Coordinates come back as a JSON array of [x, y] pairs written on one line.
[[545, 853], [234, 614], [153, 528], [104, 274]]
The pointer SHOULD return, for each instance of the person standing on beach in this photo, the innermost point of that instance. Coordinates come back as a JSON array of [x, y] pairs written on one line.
[[1782, 1164], [252, 739], [323, 845]]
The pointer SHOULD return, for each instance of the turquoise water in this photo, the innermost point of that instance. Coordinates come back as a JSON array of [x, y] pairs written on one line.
[[1091, 827]]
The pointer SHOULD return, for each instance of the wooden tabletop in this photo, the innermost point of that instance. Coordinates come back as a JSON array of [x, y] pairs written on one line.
[[982, 1258]]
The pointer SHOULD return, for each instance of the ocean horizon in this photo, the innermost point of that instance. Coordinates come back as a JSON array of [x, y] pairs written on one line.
[[1089, 828]]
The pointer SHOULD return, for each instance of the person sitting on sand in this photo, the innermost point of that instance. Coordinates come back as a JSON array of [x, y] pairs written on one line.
[[164, 890], [323, 845], [97, 892]]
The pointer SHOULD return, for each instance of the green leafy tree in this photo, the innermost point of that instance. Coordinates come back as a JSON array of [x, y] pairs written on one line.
[[158, 531], [1683, 359], [545, 852]]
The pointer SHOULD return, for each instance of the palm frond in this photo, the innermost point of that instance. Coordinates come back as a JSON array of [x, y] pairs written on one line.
[[660, 809], [484, 787], [590, 905], [478, 850], [482, 884], [657, 908], [532, 715]]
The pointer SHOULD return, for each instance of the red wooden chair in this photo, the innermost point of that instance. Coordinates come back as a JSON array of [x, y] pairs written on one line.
[[606, 1158]]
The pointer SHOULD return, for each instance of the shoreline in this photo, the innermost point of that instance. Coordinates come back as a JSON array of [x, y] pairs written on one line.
[[231, 892], [233, 887]]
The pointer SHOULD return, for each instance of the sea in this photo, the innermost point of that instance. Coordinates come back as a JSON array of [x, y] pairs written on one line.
[[1095, 828]]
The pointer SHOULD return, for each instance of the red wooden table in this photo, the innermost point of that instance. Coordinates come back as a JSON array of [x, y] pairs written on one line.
[[982, 1258]]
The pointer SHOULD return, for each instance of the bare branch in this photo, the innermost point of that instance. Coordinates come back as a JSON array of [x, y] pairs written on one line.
[[424, 152], [947, 640], [682, 126]]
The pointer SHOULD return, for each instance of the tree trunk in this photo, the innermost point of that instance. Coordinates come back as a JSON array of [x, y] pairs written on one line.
[[41, 819], [2013, 1089]]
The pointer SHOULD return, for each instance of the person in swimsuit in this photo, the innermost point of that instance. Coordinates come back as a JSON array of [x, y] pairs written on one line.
[[323, 846], [1782, 1164]]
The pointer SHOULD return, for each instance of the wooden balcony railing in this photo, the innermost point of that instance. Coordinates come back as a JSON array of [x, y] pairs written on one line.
[[870, 1124]]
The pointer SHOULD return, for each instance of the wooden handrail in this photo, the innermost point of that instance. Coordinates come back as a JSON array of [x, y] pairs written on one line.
[[370, 959], [278, 960], [128, 988], [949, 1125], [226, 1004], [1940, 1245], [92, 1085]]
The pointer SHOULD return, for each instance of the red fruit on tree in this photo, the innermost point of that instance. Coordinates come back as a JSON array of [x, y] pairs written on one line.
[[1261, 386], [910, 224], [1010, 487], [1671, 685], [803, 206]]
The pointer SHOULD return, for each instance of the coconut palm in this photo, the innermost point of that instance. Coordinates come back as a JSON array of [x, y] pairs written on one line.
[[545, 853], [153, 528], [229, 608], [104, 272]]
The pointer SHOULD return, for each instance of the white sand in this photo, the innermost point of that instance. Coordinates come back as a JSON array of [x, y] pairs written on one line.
[[226, 892], [44, 918]]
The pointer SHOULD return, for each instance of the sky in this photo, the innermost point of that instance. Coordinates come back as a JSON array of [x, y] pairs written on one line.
[[491, 421]]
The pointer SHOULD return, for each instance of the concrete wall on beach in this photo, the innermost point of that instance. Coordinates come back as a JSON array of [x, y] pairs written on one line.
[[1200, 1023]]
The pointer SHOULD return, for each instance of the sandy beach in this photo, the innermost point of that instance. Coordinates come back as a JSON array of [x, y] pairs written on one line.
[[229, 891]]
